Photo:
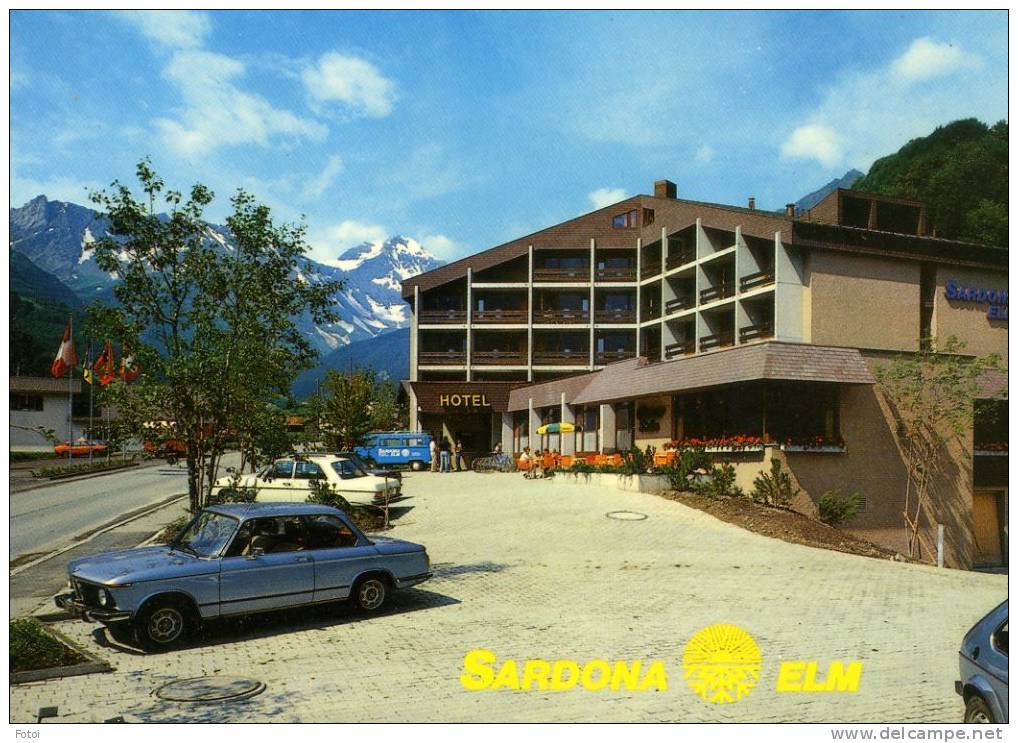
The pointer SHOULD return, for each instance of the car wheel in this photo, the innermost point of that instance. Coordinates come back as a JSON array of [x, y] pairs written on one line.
[[978, 711], [370, 593], [163, 624], [417, 466], [122, 632]]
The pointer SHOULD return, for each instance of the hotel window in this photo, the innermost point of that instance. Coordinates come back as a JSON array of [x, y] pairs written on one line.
[[625, 421], [521, 430], [589, 421], [26, 402], [626, 219]]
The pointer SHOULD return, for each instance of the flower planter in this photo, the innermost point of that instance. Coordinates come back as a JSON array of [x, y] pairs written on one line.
[[629, 483], [813, 449]]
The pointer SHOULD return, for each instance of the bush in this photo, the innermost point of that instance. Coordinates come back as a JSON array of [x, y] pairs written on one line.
[[685, 463], [32, 647], [233, 493], [719, 484], [82, 468], [366, 518], [776, 488], [634, 462], [834, 508]]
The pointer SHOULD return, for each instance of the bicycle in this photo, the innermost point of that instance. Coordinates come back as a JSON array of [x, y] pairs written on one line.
[[494, 463]]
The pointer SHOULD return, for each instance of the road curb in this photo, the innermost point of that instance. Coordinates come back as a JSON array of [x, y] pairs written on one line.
[[89, 536], [88, 476]]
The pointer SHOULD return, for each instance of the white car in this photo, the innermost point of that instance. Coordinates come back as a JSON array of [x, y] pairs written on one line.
[[290, 480]]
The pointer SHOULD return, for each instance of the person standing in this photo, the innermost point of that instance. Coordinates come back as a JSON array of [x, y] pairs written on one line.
[[460, 462], [433, 450], [443, 451]]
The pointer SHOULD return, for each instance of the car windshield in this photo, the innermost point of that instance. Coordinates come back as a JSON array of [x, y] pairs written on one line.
[[207, 534], [347, 469]]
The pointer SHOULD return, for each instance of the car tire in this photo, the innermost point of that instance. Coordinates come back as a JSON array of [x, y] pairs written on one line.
[[122, 632], [163, 624], [977, 711], [370, 593]]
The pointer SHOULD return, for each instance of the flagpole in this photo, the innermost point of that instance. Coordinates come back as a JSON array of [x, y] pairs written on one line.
[[91, 397], [70, 399]]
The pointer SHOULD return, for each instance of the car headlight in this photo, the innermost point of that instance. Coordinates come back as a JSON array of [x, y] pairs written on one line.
[[105, 599]]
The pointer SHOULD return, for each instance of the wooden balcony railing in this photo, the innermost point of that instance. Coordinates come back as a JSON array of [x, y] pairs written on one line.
[[441, 358], [562, 274], [607, 357], [615, 315], [500, 316], [680, 258], [500, 358], [562, 358], [754, 280], [443, 316], [719, 291], [721, 340], [753, 332], [678, 304], [650, 268], [561, 316], [682, 348], [615, 274]]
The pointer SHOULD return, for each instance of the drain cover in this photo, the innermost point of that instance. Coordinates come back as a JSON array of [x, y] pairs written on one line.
[[626, 515], [210, 689]]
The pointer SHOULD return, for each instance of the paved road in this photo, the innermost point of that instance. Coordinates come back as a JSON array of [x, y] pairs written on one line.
[[534, 569], [47, 518]]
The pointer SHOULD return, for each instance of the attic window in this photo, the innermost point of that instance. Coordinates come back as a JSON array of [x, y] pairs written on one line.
[[626, 219]]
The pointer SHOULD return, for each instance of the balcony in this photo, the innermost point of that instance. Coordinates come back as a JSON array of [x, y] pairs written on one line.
[[615, 274], [607, 357], [499, 358], [442, 358], [650, 313], [682, 348], [720, 340], [679, 258], [622, 315], [650, 268], [678, 304], [755, 332], [714, 293], [561, 358], [561, 316], [562, 274], [429, 317], [756, 280], [500, 316]]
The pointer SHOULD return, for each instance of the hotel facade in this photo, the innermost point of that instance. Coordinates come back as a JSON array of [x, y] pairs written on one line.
[[659, 319]]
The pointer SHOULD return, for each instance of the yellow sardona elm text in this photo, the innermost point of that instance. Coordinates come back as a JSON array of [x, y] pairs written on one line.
[[481, 671]]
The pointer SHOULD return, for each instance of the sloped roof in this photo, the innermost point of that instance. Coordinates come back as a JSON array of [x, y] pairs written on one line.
[[44, 385]]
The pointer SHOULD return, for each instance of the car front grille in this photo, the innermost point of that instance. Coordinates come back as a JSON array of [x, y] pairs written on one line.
[[86, 593]]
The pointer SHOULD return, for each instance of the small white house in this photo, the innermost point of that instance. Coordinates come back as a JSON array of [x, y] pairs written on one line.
[[40, 402]]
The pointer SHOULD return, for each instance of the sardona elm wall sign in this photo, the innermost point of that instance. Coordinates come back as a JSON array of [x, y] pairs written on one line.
[[995, 298]]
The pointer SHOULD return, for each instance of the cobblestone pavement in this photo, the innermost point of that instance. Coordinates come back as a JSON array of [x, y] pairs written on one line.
[[534, 569]]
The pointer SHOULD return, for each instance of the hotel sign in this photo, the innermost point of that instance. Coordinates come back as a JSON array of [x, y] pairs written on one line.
[[995, 298], [467, 400]]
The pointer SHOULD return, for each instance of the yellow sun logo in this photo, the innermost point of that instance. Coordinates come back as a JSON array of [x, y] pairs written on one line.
[[721, 663]]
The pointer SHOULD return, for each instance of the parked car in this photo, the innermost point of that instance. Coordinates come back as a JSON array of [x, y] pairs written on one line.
[[404, 448], [238, 559], [169, 448], [290, 478], [79, 448], [390, 472], [982, 662]]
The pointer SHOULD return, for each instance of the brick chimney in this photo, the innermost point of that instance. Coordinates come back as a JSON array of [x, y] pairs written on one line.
[[752, 202], [790, 211], [665, 190]]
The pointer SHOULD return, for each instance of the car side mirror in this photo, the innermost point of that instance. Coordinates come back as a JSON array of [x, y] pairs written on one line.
[[255, 553]]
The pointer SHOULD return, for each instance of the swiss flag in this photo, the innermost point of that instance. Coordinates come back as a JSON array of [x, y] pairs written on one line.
[[67, 356], [105, 367]]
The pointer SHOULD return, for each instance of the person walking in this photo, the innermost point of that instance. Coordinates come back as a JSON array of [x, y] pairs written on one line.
[[443, 451], [460, 462], [433, 450]]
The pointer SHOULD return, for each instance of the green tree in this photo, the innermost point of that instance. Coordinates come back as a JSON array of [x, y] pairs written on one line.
[[354, 403], [212, 326], [931, 395]]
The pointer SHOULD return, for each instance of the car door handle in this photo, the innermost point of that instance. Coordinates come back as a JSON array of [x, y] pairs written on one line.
[[287, 484], [303, 559]]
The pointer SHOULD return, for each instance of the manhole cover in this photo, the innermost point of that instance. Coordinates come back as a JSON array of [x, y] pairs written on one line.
[[626, 515], [210, 689]]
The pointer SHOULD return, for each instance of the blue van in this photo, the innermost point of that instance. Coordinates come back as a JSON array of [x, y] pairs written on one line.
[[397, 447]]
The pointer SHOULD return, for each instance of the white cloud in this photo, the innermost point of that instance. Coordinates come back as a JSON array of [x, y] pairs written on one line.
[[704, 154], [353, 81], [926, 59], [61, 188], [176, 29], [868, 113], [218, 113], [347, 234], [603, 197], [439, 246], [318, 185], [814, 141]]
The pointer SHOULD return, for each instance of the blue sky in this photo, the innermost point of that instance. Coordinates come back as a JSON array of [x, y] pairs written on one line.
[[464, 130]]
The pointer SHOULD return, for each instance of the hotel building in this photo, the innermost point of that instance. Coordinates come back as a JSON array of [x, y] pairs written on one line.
[[660, 319]]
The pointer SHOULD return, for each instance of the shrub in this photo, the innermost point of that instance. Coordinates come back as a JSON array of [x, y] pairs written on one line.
[[775, 488], [719, 484], [835, 508], [32, 647], [82, 468], [366, 518], [233, 493], [685, 463], [634, 462], [581, 466]]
